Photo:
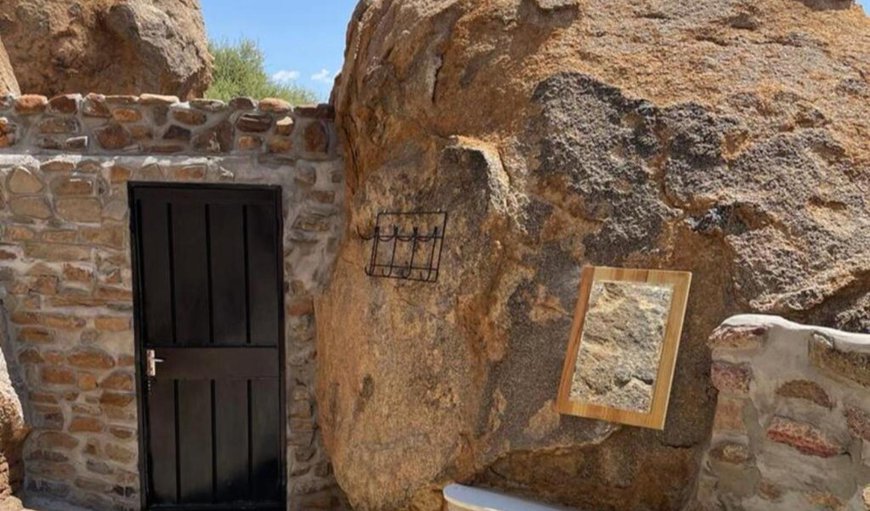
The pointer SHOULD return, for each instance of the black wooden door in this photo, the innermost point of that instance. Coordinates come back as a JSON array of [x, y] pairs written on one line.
[[208, 277]]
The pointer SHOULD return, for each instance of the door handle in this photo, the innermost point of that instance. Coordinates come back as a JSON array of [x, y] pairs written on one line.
[[151, 362]]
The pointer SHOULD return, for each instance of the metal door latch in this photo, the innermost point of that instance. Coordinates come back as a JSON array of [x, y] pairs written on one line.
[[151, 362]]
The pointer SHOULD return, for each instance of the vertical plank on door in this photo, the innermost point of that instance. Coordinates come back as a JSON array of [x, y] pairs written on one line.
[[195, 441], [162, 441], [190, 262], [231, 429], [266, 445], [228, 274], [156, 275], [263, 274]]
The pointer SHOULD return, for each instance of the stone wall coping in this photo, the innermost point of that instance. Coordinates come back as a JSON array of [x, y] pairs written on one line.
[[843, 341], [161, 125]]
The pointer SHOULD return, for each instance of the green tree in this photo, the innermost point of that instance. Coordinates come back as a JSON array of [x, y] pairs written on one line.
[[239, 70]]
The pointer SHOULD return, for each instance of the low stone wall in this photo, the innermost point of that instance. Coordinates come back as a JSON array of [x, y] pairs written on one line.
[[65, 274], [792, 425]]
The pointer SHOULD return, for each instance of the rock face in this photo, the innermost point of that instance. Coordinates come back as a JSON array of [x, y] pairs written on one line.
[[107, 46], [12, 433], [659, 134], [797, 435], [8, 82]]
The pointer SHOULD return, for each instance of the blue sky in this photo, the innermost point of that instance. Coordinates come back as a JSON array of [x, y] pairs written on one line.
[[303, 40]]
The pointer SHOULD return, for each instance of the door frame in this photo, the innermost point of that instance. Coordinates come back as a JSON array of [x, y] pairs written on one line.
[[141, 375]]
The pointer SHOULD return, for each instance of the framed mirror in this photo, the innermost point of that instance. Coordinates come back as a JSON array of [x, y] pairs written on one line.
[[623, 345]]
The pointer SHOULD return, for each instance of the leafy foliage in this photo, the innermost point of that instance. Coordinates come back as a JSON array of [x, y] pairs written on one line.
[[239, 70]]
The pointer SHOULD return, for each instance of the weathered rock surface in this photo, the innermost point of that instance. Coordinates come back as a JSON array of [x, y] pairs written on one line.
[[727, 138], [12, 433], [8, 82], [107, 46]]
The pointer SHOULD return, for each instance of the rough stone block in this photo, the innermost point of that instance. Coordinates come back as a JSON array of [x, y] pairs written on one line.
[[23, 181], [33, 207], [52, 375], [82, 424], [859, 422], [806, 390], [91, 359], [804, 437], [79, 209], [65, 104], [30, 104], [254, 123], [731, 378], [69, 185], [189, 117], [851, 365]]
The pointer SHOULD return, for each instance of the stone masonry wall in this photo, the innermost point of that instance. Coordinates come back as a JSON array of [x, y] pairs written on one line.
[[65, 276], [792, 424]]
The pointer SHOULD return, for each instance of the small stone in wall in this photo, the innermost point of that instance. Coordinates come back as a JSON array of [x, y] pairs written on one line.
[[189, 173], [79, 209], [30, 104], [731, 378], [91, 359], [7, 132], [804, 437], [731, 452], [278, 144], [243, 104], [64, 104], [254, 123], [57, 376], [189, 117], [113, 137], [851, 365], [208, 105], [76, 143], [157, 99], [275, 105], [94, 105], [284, 127], [859, 422], [806, 390], [72, 186], [86, 425], [59, 126], [34, 207], [126, 115], [23, 181], [177, 133], [57, 166], [249, 143]]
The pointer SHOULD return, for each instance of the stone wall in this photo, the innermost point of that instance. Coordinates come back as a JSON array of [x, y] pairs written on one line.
[[66, 279], [792, 424]]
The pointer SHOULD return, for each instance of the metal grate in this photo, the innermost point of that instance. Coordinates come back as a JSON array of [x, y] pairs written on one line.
[[407, 245]]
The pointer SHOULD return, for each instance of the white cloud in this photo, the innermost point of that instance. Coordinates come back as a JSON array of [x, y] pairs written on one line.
[[322, 76], [286, 75]]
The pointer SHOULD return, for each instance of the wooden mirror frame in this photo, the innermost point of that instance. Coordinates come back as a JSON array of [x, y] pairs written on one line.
[[655, 417]]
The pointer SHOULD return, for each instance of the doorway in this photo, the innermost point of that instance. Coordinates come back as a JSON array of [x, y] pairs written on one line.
[[209, 328]]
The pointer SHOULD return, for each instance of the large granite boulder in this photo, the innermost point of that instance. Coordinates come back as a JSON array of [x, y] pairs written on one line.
[[8, 82], [723, 137], [107, 46], [13, 431]]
